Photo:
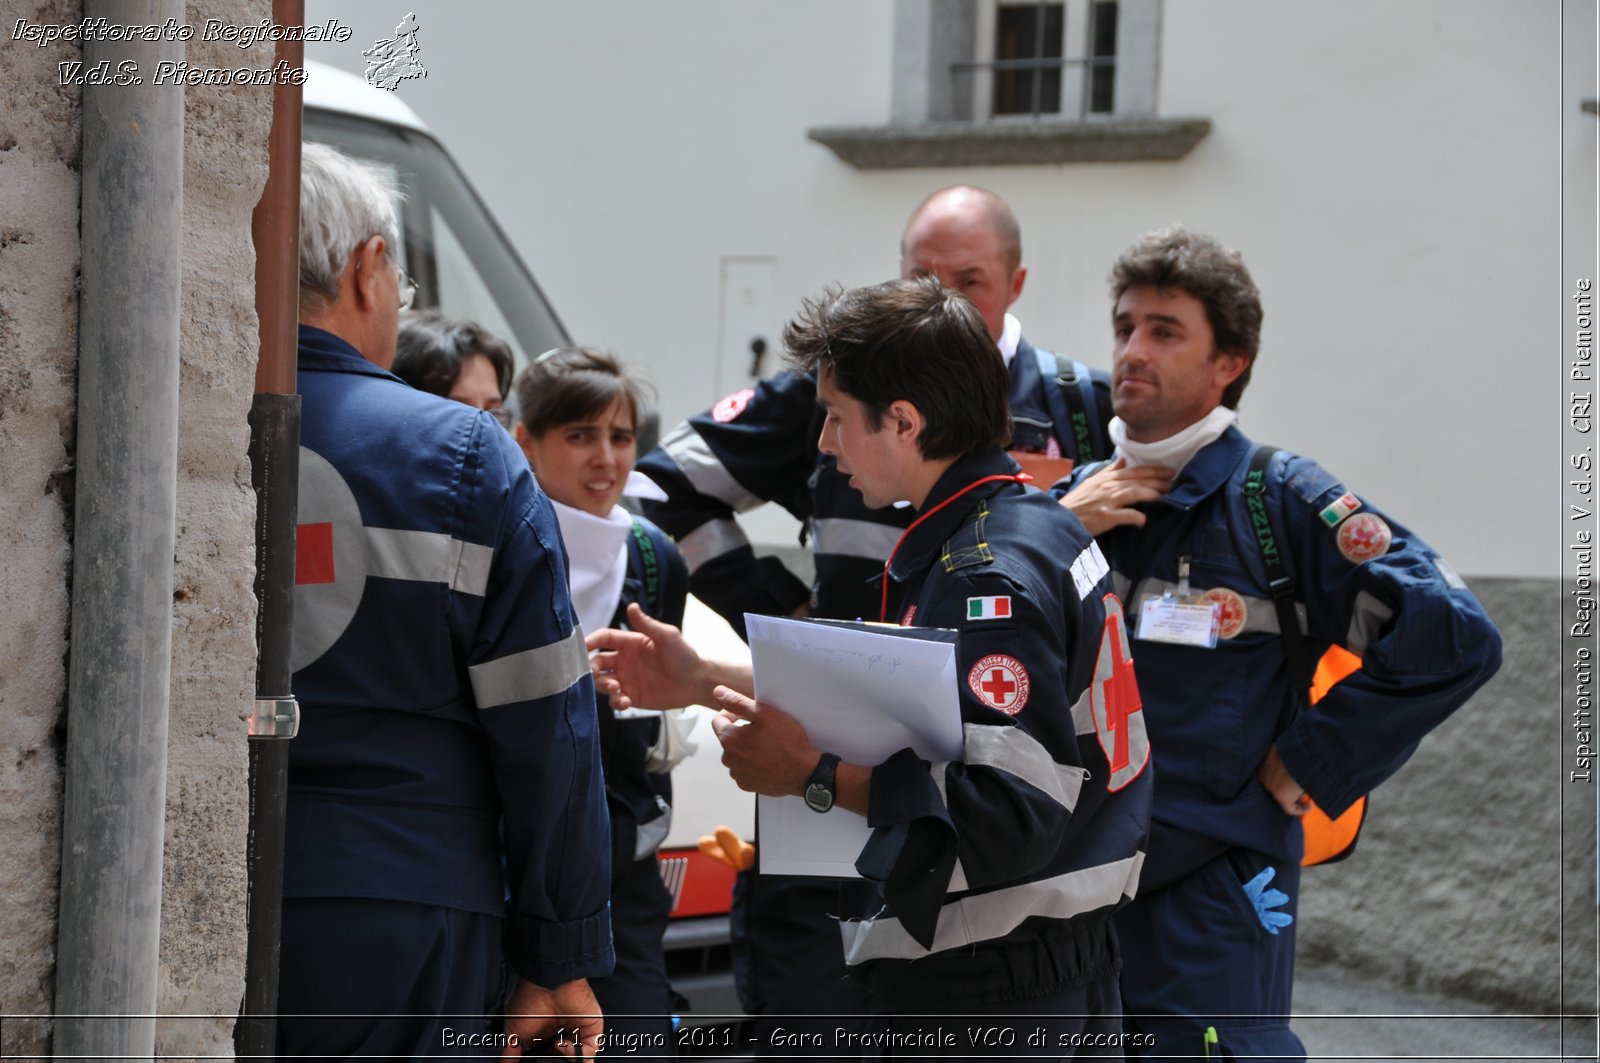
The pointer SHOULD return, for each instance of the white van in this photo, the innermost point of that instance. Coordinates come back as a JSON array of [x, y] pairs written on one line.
[[452, 246], [463, 264]]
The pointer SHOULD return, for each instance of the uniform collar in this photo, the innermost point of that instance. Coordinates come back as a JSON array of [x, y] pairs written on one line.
[[1024, 371], [1010, 340], [931, 534], [321, 349], [1209, 470]]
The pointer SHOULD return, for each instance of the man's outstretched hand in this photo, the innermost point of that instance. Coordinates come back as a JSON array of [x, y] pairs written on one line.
[[650, 667]]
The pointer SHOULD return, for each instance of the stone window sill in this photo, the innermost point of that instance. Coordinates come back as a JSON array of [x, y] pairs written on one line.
[[1012, 143]]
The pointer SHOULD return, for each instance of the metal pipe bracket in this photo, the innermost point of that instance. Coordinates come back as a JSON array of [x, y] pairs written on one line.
[[274, 718]]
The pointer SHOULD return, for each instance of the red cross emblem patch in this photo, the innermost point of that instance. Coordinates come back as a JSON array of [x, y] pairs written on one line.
[[1233, 612], [732, 406], [1000, 682], [313, 553], [1114, 700], [331, 560], [336, 553], [1364, 537]]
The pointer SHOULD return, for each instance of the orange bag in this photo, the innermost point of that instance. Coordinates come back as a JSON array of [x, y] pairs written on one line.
[[1329, 840]]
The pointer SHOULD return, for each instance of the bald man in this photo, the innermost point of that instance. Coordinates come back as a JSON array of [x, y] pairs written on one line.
[[760, 445], [968, 238]]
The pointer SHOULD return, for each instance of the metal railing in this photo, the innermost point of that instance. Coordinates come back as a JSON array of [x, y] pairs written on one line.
[[1039, 67]]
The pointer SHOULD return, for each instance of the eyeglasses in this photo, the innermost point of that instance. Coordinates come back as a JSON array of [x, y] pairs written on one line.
[[408, 289]]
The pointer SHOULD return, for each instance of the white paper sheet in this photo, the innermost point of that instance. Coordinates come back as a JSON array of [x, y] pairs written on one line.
[[863, 695]]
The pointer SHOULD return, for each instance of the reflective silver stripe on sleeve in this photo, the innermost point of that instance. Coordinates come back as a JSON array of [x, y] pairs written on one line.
[[958, 879], [531, 674], [433, 557], [1448, 573], [704, 471], [987, 916], [1083, 711], [854, 538], [1013, 750], [1088, 569], [1366, 621], [472, 568], [1260, 613], [710, 541]]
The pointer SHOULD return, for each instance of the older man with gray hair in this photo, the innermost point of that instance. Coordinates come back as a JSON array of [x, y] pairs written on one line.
[[445, 792]]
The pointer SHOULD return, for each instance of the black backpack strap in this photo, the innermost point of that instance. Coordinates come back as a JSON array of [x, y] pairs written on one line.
[[1075, 377], [652, 569], [1280, 582], [1072, 405]]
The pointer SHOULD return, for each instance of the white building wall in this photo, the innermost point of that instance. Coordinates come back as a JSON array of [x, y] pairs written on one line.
[[1391, 171]]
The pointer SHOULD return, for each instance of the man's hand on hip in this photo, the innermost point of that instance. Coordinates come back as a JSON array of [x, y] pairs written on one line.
[[1290, 795], [568, 1017]]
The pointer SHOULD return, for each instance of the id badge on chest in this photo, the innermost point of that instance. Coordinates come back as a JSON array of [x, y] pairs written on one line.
[[1178, 619]]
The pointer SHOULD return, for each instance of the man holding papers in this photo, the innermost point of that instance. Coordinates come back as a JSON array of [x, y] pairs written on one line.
[[996, 873]]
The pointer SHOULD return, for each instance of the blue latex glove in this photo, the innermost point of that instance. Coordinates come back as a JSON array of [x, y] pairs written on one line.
[[1265, 900]]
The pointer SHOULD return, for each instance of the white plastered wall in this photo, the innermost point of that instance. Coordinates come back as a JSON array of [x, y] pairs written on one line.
[[1391, 172]]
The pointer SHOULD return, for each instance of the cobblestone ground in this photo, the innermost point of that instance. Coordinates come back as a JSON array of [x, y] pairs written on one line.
[[1340, 1017]]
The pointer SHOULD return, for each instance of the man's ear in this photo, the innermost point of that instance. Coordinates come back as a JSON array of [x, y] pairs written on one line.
[[1019, 277], [905, 420], [1228, 366], [371, 259], [524, 438]]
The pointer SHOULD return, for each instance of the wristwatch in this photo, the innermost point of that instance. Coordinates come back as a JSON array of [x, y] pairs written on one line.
[[820, 788]]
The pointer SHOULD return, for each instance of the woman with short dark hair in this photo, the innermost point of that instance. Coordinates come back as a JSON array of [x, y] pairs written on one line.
[[578, 413], [456, 359]]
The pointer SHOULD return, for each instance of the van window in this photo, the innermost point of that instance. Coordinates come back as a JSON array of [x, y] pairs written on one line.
[[451, 246]]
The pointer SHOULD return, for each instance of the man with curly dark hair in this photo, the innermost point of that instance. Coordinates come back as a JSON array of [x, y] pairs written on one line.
[[1253, 565]]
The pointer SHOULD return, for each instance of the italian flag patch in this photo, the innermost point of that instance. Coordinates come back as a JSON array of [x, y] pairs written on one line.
[[996, 608], [1341, 509]]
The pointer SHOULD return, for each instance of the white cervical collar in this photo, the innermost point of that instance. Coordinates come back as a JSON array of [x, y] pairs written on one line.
[[1175, 450], [597, 561]]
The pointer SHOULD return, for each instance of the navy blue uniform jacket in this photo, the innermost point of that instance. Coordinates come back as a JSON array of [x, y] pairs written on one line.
[[1019, 853], [1364, 582], [449, 752]]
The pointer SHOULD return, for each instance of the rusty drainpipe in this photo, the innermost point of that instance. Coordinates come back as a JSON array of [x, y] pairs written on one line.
[[274, 473]]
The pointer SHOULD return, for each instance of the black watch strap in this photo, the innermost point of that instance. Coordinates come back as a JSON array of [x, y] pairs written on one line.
[[822, 787]]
